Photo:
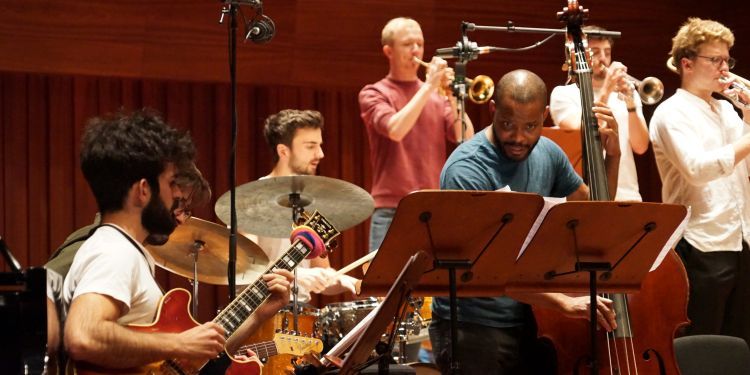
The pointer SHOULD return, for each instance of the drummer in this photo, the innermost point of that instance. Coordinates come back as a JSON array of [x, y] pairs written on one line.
[[296, 140]]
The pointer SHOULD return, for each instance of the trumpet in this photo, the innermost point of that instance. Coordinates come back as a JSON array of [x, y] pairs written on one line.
[[650, 89], [737, 83], [480, 90]]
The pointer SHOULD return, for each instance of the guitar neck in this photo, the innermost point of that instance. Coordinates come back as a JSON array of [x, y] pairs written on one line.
[[249, 299], [262, 349]]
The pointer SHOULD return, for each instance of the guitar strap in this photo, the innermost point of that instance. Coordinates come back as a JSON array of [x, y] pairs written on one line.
[[137, 247]]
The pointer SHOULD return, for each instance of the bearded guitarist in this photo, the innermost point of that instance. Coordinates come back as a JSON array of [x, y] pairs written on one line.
[[129, 161]]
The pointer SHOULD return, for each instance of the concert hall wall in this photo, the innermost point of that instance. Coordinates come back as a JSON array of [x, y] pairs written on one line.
[[62, 62]]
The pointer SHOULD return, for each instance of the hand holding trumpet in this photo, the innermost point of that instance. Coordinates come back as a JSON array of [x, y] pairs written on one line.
[[737, 91], [616, 79], [439, 75]]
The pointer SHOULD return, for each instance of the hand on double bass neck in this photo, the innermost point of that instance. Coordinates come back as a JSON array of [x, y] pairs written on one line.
[[608, 129]]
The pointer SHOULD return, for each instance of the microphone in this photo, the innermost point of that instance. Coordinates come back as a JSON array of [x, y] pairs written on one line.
[[261, 30], [469, 51]]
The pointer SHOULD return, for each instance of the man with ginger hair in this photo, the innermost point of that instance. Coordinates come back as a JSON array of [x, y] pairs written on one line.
[[701, 146]]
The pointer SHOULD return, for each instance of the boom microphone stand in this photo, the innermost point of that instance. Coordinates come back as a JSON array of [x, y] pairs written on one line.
[[260, 30]]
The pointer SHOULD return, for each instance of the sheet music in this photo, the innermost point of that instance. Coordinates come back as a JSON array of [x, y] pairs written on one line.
[[351, 337], [549, 202], [673, 239]]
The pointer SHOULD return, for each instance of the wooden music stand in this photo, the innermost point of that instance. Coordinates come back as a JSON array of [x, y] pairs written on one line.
[[616, 243], [455, 226], [475, 231], [388, 313]]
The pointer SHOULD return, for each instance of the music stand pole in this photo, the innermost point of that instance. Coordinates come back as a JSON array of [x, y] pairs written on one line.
[[451, 266]]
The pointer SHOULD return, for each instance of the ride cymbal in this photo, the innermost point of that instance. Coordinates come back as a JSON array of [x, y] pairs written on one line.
[[264, 207]]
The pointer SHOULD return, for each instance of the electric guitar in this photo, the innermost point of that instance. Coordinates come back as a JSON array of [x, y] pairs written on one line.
[[281, 344], [173, 315]]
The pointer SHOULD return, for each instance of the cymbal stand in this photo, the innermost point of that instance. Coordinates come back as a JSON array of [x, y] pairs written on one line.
[[297, 210], [197, 246]]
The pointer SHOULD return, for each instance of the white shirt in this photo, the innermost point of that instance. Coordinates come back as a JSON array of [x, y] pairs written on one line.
[[695, 157], [565, 104], [108, 264]]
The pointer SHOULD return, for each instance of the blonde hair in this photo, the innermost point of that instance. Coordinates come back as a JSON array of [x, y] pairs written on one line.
[[390, 28], [693, 34]]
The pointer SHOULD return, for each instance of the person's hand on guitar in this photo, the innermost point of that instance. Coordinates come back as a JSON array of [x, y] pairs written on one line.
[[279, 283], [202, 342]]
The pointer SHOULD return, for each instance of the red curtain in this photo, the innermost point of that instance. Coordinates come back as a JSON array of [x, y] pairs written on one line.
[[44, 194]]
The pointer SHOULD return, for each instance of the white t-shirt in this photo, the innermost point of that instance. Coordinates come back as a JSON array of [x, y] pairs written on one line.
[[109, 264], [565, 103], [694, 153]]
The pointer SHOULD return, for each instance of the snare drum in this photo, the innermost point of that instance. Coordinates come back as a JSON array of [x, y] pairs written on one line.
[[337, 319]]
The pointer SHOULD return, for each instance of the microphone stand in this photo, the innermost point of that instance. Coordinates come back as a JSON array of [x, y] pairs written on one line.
[[511, 28], [231, 9]]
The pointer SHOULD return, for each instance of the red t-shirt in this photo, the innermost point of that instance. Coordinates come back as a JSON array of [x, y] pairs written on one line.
[[399, 168]]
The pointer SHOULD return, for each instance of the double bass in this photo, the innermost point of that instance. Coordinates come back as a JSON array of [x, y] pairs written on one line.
[[648, 320]]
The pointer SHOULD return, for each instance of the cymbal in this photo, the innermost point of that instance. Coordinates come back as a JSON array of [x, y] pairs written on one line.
[[263, 206], [212, 242]]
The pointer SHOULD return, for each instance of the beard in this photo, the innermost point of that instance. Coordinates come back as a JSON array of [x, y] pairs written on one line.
[[302, 168], [514, 144], [158, 221]]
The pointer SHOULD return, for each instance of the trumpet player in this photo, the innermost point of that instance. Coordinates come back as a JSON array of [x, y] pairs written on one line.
[[701, 146], [612, 87], [408, 123]]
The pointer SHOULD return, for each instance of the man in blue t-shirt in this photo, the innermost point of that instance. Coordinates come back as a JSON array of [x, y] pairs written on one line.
[[495, 334]]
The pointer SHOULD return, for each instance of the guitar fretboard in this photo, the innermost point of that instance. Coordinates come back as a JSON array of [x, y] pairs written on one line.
[[246, 302], [263, 350]]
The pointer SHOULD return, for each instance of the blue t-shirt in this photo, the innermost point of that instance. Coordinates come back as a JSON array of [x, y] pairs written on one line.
[[480, 165]]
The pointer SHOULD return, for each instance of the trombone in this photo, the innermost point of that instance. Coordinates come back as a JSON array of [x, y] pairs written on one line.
[[650, 89], [480, 90], [737, 83]]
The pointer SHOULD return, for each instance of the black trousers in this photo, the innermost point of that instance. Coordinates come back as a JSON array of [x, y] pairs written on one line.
[[486, 350], [719, 290]]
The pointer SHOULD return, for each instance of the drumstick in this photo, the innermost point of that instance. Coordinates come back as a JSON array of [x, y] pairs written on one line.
[[356, 263]]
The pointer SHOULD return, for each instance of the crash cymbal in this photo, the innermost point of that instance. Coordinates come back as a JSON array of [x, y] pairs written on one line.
[[212, 242], [263, 206]]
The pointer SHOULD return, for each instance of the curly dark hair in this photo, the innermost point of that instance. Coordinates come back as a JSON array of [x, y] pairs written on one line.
[[120, 149], [280, 127]]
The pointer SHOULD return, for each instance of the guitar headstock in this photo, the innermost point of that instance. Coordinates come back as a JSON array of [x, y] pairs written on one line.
[[325, 230], [296, 345]]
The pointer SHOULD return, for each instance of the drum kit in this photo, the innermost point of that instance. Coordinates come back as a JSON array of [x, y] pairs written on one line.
[[198, 250]]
